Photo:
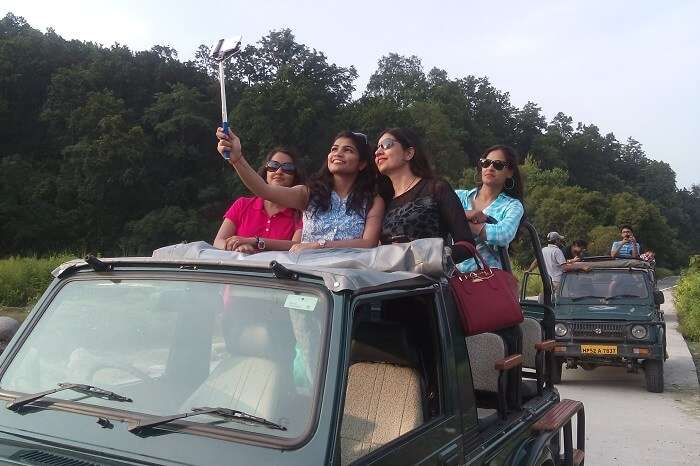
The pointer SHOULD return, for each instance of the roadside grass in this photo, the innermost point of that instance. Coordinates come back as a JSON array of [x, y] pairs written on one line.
[[687, 298], [24, 279], [662, 272], [534, 283]]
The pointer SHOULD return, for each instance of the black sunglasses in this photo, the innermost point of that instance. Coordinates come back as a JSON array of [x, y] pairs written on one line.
[[497, 164], [287, 167], [387, 143]]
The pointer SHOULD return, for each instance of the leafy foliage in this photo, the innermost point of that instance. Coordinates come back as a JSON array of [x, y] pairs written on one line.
[[23, 280], [687, 297], [111, 150]]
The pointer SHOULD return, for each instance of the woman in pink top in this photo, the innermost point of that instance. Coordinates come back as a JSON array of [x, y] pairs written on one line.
[[253, 224]]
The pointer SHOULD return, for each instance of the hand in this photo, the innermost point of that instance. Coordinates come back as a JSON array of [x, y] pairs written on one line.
[[233, 242], [247, 249], [475, 216], [229, 142], [297, 248]]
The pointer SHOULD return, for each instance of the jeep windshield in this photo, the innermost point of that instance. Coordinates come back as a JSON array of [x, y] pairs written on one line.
[[174, 345], [607, 285]]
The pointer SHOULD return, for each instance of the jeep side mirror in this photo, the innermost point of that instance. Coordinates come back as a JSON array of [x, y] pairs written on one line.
[[659, 297]]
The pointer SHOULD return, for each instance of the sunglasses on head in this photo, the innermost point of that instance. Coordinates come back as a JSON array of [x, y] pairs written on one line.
[[497, 164], [287, 167], [387, 143], [361, 135]]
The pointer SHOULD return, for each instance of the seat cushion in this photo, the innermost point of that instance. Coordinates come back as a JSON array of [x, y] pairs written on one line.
[[248, 384], [382, 402], [484, 350], [532, 334]]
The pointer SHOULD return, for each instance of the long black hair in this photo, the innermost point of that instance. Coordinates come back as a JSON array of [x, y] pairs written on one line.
[[514, 188], [363, 189]]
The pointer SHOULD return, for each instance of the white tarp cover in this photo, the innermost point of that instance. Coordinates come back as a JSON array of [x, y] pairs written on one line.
[[349, 268]]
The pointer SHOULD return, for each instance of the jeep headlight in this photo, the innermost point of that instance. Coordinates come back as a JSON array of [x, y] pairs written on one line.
[[639, 331], [560, 329]]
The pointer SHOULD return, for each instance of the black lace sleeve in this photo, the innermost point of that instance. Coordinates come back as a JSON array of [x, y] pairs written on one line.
[[453, 218]]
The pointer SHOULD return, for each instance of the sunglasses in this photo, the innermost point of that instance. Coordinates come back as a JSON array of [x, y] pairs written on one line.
[[361, 135], [497, 164], [287, 167], [386, 143]]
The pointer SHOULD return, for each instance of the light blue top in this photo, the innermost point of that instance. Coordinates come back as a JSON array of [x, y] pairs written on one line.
[[335, 224], [508, 211], [625, 250]]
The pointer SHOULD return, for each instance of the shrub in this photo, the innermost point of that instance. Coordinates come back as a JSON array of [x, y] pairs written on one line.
[[534, 283], [687, 298], [24, 279], [662, 272]]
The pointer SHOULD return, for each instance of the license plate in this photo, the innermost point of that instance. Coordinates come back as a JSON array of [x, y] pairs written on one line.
[[599, 349]]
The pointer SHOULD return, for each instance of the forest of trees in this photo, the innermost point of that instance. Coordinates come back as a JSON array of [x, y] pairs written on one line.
[[111, 150]]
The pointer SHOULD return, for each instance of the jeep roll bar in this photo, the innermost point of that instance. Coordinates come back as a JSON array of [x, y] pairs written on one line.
[[537, 252]]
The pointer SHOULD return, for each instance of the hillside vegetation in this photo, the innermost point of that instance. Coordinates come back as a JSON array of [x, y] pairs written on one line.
[[110, 150]]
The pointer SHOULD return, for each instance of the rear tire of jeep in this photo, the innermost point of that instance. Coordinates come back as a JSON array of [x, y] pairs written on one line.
[[654, 375], [556, 370]]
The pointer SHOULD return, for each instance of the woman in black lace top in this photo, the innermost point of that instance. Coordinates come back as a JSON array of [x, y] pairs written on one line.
[[418, 204]]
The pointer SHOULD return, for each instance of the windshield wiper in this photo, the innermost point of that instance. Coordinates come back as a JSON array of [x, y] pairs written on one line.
[[578, 298], [76, 387], [624, 296], [228, 414]]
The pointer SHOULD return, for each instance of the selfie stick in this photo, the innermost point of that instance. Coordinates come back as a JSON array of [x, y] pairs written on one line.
[[222, 51]]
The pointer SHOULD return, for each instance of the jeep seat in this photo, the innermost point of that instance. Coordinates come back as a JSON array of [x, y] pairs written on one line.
[[534, 348], [383, 396], [256, 374], [490, 362]]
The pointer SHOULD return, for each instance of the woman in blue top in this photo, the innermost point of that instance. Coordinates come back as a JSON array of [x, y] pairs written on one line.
[[340, 206], [499, 195]]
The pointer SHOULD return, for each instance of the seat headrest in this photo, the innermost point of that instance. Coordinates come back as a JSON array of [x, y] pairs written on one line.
[[382, 342]]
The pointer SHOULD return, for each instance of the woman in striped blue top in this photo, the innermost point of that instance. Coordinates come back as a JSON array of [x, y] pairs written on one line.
[[499, 194]]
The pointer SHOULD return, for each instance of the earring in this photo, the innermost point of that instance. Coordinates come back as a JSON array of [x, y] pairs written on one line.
[[477, 177], [512, 184]]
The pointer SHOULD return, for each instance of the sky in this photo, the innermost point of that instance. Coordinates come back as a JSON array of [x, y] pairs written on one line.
[[629, 67]]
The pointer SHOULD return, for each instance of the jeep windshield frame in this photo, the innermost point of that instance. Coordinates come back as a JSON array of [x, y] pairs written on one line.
[[237, 432], [605, 285]]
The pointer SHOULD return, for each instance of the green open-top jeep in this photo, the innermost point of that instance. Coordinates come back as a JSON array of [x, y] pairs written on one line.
[[202, 357], [608, 314]]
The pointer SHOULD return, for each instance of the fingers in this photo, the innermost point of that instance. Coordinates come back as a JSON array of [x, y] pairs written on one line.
[[232, 243], [246, 248], [220, 134]]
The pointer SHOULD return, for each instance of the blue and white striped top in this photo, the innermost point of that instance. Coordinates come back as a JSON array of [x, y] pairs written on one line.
[[335, 224], [508, 211]]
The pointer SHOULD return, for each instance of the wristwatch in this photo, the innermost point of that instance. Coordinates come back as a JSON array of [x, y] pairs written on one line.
[[322, 243], [259, 243]]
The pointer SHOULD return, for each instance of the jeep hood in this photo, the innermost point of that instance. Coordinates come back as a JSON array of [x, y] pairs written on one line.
[[602, 311]]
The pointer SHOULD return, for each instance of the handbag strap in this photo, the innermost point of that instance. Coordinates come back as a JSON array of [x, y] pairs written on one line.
[[480, 262]]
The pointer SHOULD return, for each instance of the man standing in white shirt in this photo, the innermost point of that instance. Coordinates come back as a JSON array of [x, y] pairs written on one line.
[[554, 260]]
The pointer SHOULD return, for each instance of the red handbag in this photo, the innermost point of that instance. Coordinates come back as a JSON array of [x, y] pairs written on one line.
[[487, 299]]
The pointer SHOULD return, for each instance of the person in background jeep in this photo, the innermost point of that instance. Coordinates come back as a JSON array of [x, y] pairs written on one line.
[[628, 247], [576, 251]]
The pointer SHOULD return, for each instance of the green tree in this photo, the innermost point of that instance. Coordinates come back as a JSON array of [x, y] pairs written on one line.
[[399, 79]]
